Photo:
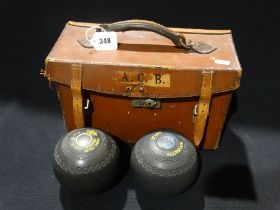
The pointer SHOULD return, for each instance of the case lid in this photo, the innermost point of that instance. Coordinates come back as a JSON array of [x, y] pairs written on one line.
[[148, 63]]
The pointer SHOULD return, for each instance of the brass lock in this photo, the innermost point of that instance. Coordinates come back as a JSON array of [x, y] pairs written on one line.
[[146, 103]]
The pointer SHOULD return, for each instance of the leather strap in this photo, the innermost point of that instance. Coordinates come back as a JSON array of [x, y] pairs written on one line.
[[203, 106], [76, 88]]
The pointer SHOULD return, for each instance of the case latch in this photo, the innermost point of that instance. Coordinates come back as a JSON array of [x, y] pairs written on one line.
[[146, 103]]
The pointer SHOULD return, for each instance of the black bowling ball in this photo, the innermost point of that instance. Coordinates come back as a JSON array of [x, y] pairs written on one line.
[[164, 162], [86, 160]]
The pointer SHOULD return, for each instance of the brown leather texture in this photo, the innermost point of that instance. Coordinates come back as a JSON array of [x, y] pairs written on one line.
[[146, 65], [115, 115]]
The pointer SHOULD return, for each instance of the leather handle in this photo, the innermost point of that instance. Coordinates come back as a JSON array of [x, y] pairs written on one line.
[[144, 25]]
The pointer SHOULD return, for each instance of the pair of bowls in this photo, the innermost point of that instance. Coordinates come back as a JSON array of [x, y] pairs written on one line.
[[88, 160]]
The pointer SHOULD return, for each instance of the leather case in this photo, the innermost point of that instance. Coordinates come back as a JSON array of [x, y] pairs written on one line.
[[175, 78]]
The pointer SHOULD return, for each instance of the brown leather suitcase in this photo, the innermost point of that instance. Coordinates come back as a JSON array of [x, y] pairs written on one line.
[[176, 78]]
